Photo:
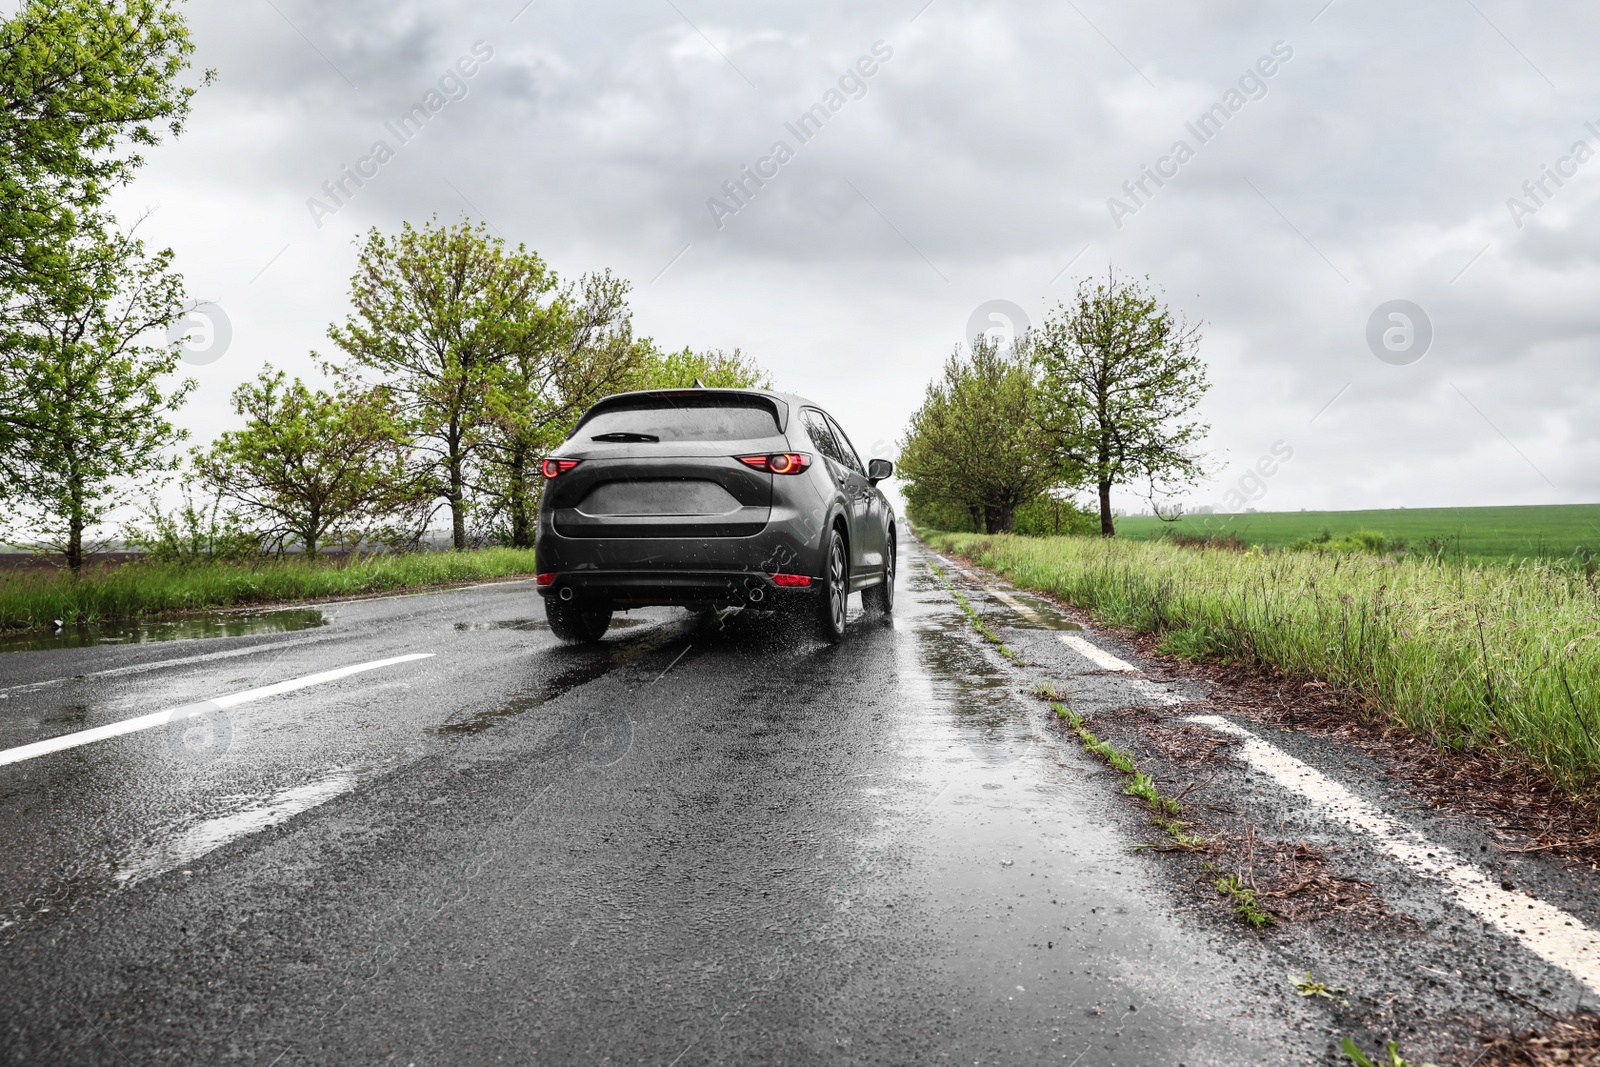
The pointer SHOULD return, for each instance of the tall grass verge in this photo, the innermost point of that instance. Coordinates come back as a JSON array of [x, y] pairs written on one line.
[[1490, 657], [32, 600]]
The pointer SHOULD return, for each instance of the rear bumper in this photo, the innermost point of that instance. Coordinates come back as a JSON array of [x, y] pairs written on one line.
[[640, 571]]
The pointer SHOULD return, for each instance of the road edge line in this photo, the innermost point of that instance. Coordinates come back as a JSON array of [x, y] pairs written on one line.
[[1555, 936]]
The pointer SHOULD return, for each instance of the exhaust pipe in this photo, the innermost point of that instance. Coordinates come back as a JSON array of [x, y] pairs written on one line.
[[566, 592]]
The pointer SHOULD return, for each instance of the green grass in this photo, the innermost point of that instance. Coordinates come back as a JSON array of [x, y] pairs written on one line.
[[32, 600], [1500, 658], [1553, 531]]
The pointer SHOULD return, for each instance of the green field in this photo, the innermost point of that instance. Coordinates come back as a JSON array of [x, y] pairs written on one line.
[[1545, 531], [1502, 659]]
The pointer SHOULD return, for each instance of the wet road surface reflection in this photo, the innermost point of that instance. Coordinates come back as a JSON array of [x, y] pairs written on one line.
[[193, 627], [120, 812], [1060, 934]]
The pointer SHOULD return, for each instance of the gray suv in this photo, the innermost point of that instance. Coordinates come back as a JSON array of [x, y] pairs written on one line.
[[711, 498]]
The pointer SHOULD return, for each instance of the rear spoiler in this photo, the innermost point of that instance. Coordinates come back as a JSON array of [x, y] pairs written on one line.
[[779, 409]]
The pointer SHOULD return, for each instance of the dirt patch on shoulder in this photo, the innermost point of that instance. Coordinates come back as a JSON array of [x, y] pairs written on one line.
[[1293, 881], [1570, 1042], [1296, 882]]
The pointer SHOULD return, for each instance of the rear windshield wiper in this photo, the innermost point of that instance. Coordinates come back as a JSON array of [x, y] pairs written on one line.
[[624, 436]]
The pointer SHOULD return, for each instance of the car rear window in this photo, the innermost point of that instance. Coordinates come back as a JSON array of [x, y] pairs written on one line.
[[685, 419]]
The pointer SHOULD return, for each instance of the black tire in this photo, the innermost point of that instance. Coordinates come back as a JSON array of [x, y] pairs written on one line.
[[879, 598], [579, 623], [833, 598]]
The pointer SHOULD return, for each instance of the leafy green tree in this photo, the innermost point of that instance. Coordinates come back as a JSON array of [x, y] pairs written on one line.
[[315, 469], [975, 444], [436, 318], [492, 361], [1120, 376], [83, 84], [559, 358], [715, 369], [95, 415]]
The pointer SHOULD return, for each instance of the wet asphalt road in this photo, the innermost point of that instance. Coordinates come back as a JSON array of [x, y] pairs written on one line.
[[700, 843]]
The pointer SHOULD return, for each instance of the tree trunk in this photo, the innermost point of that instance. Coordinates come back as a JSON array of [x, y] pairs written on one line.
[[1107, 527], [458, 507], [311, 535], [517, 499], [998, 519], [75, 541], [75, 524], [976, 514]]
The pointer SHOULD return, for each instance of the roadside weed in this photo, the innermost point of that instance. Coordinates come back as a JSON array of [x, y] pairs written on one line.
[[1182, 840], [1050, 691], [1361, 1059], [1163, 809], [1244, 901], [1309, 987], [1141, 785]]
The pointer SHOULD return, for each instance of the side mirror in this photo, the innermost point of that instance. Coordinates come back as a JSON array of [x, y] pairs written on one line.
[[878, 470]]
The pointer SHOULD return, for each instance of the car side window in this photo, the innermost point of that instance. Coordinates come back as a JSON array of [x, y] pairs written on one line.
[[822, 435], [851, 459]]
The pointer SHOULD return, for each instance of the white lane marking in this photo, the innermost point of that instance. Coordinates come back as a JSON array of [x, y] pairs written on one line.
[[1554, 935], [188, 711], [213, 833], [1015, 605], [1097, 655]]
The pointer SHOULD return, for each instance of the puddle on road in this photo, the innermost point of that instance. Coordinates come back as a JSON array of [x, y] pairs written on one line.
[[960, 677], [190, 628], [258, 813]]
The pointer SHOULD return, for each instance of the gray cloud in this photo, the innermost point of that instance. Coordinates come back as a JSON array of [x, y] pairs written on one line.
[[977, 165]]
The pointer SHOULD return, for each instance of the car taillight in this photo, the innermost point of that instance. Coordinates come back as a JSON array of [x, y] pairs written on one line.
[[552, 468], [547, 578], [778, 462], [791, 581]]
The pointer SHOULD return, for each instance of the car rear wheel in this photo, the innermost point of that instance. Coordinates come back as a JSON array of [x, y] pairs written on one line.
[[835, 590], [572, 621], [880, 598]]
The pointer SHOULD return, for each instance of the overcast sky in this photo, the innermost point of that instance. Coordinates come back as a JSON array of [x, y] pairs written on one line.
[[976, 163]]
